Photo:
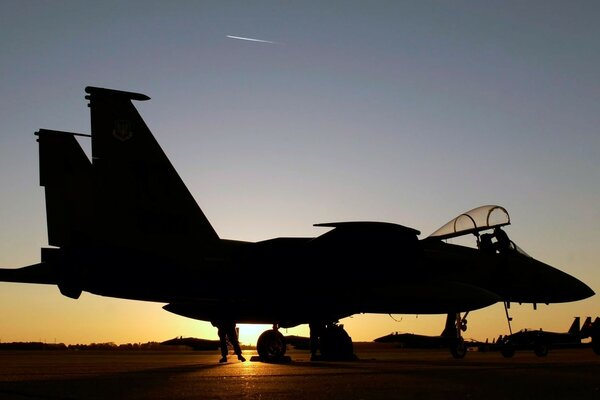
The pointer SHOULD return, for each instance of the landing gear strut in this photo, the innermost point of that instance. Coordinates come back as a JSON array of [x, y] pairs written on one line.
[[507, 349], [455, 325], [333, 342], [596, 337]]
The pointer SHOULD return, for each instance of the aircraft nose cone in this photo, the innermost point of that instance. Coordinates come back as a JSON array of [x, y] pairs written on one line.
[[532, 281], [578, 290], [562, 287]]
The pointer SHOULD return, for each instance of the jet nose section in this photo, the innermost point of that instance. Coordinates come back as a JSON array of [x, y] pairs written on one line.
[[536, 282], [562, 287], [576, 290]]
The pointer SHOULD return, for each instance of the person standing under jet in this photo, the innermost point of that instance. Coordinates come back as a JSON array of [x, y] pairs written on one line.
[[226, 330]]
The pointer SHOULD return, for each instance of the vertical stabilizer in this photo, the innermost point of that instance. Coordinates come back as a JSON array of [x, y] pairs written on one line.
[[575, 327], [586, 328], [140, 201], [65, 173]]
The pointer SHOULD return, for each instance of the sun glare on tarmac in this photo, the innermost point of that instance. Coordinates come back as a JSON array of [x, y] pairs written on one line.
[[249, 333]]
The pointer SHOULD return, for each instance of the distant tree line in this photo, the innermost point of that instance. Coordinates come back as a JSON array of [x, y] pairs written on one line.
[[32, 346], [109, 346]]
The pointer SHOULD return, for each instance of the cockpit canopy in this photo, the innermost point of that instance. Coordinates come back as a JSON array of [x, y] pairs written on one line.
[[474, 221]]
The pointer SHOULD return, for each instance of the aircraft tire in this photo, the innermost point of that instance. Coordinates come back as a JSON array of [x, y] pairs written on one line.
[[271, 345], [507, 351], [596, 338], [458, 349], [540, 349], [596, 343]]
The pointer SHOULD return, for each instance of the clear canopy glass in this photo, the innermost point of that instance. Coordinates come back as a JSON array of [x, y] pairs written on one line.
[[473, 221]]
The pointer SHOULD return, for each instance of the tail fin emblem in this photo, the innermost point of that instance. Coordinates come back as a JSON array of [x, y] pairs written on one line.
[[122, 130]]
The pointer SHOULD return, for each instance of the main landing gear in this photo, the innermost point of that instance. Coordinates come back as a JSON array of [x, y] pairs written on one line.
[[596, 336], [271, 346], [328, 341], [331, 340]]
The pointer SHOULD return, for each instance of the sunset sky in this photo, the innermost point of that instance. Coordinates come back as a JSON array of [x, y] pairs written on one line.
[[408, 112]]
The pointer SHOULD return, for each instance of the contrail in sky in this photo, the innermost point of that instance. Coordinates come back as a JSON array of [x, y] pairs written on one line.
[[251, 39]]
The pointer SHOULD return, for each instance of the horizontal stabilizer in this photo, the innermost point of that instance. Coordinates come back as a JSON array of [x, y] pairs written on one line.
[[41, 273]]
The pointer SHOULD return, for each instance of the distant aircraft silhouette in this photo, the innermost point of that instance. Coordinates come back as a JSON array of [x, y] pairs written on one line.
[[542, 341], [298, 342], [124, 225], [193, 343], [594, 332], [415, 341]]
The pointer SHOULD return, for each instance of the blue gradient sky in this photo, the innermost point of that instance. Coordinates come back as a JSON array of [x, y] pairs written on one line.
[[406, 112]]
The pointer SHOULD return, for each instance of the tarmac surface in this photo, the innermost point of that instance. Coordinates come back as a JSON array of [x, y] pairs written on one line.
[[382, 372]]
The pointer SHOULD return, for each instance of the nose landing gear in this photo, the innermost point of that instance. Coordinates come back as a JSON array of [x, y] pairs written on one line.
[[455, 325]]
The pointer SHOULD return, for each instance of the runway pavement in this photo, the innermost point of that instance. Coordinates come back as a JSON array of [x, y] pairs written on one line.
[[382, 372]]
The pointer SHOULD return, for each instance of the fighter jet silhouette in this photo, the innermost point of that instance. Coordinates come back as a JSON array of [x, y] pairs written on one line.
[[124, 225]]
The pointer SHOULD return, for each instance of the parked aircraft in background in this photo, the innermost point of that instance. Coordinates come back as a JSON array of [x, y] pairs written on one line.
[[414, 341], [193, 343], [411, 340], [298, 342], [123, 224], [595, 334], [541, 341]]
